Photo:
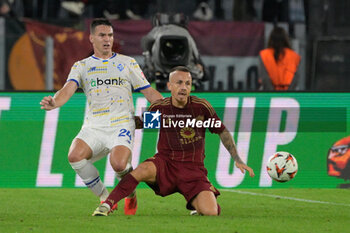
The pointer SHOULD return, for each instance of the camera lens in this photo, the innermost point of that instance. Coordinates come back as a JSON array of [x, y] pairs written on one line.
[[173, 51]]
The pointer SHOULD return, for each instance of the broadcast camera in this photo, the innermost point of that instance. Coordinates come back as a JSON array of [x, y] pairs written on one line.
[[167, 45]]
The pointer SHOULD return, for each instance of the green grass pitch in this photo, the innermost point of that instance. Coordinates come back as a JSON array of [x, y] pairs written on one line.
[[69, 210]]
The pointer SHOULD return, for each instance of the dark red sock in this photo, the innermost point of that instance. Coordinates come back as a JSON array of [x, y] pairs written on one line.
[[125, 187]]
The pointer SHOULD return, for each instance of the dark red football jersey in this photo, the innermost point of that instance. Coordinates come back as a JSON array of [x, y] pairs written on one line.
[[182, 132]]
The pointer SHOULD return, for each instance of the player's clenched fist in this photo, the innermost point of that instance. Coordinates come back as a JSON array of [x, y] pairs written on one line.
[[48, 103]]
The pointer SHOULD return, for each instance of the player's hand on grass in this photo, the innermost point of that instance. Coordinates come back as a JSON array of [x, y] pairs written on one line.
[[243, 166], [48, 103]]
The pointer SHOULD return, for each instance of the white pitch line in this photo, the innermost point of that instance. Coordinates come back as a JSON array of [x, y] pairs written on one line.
[[283, 197]]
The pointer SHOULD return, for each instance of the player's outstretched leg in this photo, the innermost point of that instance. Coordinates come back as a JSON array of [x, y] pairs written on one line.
[[130, 205], [123, 189]]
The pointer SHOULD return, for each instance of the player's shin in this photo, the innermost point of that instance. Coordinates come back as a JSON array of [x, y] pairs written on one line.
[[90, 176], [124, 188], [123, 173]]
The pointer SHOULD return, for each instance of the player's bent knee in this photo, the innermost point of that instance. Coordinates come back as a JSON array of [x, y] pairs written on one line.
[[209, 212], [75, 157], [78, 151], [118, 167], [119, 159], [145, 172], [205, 204]]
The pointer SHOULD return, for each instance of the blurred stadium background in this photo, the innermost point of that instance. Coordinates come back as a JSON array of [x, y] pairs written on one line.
[[229, 35], [41, 39]]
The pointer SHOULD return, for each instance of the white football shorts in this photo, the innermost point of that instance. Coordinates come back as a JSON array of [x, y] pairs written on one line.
[[102, 140]]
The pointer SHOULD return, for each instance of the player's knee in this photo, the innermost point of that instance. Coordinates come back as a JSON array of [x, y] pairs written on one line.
[[78, 151], [75, 157], [209, 212], [143, 167], [145, 172], [78, 154], [146, 168], [118, 167], [119, 163]]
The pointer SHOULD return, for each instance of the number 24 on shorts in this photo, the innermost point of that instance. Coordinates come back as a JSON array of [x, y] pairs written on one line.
[[124, 132]]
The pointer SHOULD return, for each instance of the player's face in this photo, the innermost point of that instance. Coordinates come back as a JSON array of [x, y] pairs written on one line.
[[102, 40], [180, 84]]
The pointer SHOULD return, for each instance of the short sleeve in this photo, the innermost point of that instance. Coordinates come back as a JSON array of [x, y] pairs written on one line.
[[154, 107], [137, 78], [211, 113], [75, 74]]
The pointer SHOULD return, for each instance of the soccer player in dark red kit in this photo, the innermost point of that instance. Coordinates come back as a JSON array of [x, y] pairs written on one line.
[[179, 164]]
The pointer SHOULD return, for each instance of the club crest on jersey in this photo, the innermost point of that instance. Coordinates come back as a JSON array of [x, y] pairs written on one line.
[[151, 120], [120, 67], [187, 133]]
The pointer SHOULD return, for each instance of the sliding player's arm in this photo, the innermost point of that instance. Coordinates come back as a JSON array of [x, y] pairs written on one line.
[[227, 140], [60, 98], [138, 122]]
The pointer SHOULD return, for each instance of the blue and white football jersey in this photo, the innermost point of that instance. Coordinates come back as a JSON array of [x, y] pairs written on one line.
[[108, 86]]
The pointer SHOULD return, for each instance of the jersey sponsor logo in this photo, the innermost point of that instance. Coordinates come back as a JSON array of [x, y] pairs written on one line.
[[109, 81], [151, 120]]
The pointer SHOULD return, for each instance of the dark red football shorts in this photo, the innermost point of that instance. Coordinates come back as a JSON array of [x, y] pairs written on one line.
[[187, 178]]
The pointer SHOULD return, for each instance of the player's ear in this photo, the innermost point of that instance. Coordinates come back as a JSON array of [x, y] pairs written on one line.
[[168, 84], [90, 38]]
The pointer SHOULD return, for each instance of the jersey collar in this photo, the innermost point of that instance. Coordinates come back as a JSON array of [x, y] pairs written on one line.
[[113, 55], [187, 104]]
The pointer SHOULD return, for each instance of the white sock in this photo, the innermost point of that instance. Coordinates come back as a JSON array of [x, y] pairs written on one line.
[[104, 194], [123, 173], [107, 206], [90, 176]]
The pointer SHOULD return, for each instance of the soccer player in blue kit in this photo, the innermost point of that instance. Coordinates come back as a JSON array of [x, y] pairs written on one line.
[[107, 80]]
